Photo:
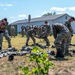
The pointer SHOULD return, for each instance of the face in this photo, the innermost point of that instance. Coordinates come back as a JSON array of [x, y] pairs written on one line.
[[71, 20], [4, 21]]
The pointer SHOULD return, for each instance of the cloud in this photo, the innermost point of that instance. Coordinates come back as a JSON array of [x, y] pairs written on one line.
[[22, 16], [71, 8], [62, 12], [62, 9], [6, 4], [9, 4], [37, 16], [11, 17], [58, 9]]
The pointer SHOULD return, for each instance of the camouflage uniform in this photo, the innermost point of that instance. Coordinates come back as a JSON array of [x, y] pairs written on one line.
[[6, 35], [61, 34], [45, 32], [29, 35], [12, 29], [26, 29], [68, 25], [22, 31], [2, 30]]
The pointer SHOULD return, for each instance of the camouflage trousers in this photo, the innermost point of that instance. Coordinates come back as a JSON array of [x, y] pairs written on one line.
[[47, 41], [12, 33], [6, 35], [28, 38], [70, 38], [1, 40], [61, 43]]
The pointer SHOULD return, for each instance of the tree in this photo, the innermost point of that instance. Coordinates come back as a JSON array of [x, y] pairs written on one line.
[[49, 13]]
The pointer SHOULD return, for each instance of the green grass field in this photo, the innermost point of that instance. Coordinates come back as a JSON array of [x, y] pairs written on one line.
[[62, 67]]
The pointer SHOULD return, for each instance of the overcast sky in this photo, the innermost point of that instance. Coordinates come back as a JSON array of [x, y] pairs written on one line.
[[20, 9]]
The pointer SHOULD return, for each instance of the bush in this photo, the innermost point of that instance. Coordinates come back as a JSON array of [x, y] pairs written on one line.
[[42, 63]]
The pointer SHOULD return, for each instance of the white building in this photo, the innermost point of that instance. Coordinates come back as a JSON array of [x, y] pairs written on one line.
[[59, 18]]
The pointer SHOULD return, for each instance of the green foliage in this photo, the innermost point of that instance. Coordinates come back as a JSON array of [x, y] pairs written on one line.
[[42, 64], [49, 13]]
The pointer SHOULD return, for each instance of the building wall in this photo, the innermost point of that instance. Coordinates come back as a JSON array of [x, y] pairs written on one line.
[[73, 26], [32, 23], [62, 20]]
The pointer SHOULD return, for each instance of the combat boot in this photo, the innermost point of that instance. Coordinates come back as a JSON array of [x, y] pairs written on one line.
[[67, 51], [27, 44], [59, 54], [0, 48], [9, 46]]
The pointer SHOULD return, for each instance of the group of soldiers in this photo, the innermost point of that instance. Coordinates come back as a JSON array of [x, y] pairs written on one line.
[[39, 32], [62, 34]]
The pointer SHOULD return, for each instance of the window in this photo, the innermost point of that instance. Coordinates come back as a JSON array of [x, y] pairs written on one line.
[[66, 17]]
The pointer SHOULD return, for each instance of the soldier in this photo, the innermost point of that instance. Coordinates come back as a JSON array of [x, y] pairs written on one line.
[[6, 35], [61, 34], [45, 32], [12, 29], [22, 31], [68, 25], [26, 29], [29, 34], [3, 23]]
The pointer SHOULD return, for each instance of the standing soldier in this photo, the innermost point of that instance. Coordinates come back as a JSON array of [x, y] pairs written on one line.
[[68, 25], [22, 31], [6, 35], [3, 24], [46, 31], [12, 29], [61, 34]]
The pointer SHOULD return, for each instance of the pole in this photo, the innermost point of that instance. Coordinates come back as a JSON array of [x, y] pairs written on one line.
[[29, 18]]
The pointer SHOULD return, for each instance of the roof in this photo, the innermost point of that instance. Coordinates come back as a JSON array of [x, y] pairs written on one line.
[[43, 18]]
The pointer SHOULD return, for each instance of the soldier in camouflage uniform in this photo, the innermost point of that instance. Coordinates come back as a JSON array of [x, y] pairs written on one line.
[[29, 35], [68, 25], [3, 23], [22, 31], [6, 35], [46, 30], [61, 34], [12, 30], [26, 29]]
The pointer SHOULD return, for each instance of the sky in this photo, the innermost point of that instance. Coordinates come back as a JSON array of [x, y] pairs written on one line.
[[15, 10]]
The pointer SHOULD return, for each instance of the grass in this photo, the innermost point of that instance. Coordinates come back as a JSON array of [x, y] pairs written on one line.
[[63, 67]]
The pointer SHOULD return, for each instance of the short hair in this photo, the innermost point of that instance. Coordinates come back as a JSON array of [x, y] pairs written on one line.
[[5, 19], [73, 18], [46, 22]]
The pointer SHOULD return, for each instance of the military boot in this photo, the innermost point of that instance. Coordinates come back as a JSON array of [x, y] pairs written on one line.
[[9, 46], [27, 44], [59, 54], [0, 48], [67, 51]]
